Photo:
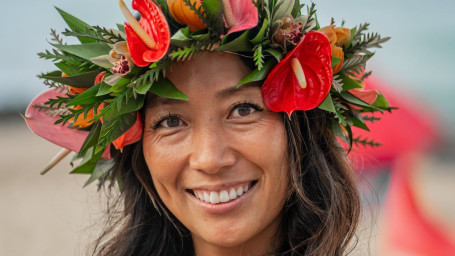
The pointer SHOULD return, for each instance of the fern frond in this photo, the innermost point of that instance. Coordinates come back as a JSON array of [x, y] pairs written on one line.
[[55, 85], [55, 37], [258, 57], [371, 119], [365, 142], [337, 83], [51, 111], [182, 54], [355, 65], [359, 31], [371, 40], [311, 17]]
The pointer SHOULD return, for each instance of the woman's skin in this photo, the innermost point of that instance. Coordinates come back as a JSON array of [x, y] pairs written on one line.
[[221, 139]]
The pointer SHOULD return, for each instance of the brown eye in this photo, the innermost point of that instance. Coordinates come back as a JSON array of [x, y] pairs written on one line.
[[168, 121], [243, 110], [172, 121]]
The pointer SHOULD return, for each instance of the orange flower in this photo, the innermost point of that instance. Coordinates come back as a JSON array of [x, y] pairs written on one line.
[[338, 37], [184, 15], [81, 121], [343, 36], [329, 31], [337, 52]]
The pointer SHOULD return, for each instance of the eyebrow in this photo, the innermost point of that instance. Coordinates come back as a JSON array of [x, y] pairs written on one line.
[[225, 93]]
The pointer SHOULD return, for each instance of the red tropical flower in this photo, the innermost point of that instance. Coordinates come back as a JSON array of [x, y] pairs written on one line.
[[302, 80], [149, 39]]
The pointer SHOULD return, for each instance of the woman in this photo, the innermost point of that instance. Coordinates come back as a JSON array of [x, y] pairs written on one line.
[[211, 159], [297, 194]]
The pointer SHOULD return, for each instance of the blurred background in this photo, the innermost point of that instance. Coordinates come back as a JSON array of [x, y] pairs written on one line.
[[408, 185]]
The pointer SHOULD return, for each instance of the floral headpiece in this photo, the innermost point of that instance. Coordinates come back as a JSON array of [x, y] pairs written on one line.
[[101, 83]]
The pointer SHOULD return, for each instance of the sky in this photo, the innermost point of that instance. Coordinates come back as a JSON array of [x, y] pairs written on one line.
[[417, 61]]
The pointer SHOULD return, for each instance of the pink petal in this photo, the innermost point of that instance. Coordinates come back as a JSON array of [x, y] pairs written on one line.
[[43, 125], [245, 15]]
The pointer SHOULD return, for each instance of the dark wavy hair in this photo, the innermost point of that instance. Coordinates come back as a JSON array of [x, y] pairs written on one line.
[[320, 215]]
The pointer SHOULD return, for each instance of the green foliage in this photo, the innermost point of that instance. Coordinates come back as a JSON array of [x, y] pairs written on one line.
[[258, 57], [366, 142]]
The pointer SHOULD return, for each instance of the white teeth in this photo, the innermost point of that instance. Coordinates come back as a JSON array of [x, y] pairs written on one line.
[[214, 198], [224, 196], [206, 197], [232, 194], [239, 191]]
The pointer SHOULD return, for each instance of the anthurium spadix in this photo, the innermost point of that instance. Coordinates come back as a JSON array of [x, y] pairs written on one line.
[[302, 80], [149, 38]]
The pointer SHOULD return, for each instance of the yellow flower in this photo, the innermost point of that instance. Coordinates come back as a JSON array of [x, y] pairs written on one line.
[[184, 15]]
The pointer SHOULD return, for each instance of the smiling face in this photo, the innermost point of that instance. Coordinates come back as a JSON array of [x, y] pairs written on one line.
[[218, 161]]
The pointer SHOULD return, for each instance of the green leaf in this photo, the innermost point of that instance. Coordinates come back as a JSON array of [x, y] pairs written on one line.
[[261, 34], [257, 75], [104, 89], [102, 167], [354, 100], [335, 61], [357, 121], [349, 83], [239, 44], [88, 163], [85, 51], [165, 88], [87, 97], [181, 38], [91, 140], [381, 102], [113, 128], [68, 69], [85, 80], [121, 27], [144, 88], [275, 53], [75, 24], [328, 105]]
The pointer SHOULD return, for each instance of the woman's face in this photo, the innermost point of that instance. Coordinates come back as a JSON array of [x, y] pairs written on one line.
[[218, 161]]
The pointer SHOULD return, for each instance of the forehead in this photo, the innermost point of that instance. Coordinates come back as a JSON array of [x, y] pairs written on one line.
[[209, 76]]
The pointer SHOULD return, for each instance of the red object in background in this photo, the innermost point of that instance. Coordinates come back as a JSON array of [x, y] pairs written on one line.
[[409, 128], [406, 230]]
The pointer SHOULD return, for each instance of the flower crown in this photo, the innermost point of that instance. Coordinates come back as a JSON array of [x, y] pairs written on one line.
[[100, 84]]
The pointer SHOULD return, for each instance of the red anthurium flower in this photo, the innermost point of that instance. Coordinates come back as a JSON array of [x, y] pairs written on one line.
[[133, 134], [239, 15], [149, 39], [302, 80]]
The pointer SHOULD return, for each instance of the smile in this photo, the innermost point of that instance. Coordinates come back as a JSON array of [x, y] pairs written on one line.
[[222, 196]]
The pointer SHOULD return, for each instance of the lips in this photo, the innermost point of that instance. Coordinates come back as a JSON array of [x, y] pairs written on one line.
[[223, 195]]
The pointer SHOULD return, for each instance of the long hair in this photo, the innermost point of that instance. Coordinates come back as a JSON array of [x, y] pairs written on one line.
[[320, 215]]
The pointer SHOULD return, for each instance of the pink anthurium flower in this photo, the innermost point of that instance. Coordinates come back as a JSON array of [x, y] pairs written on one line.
[[149, 38], [239, 15], [302, 80], [42, 124]]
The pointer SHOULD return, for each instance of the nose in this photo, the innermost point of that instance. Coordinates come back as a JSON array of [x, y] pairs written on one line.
[[210, 150]]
